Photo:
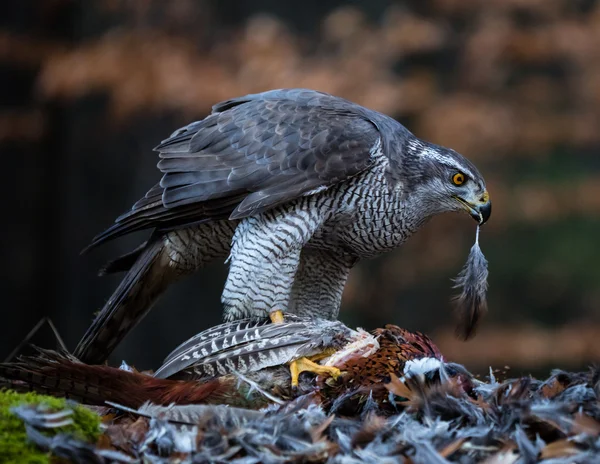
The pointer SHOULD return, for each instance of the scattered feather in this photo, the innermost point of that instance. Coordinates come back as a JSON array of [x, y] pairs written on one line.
[[254, 386], [471, 304], [498, 422], [403, 403]]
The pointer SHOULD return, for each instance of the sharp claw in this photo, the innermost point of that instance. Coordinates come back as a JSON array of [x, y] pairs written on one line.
[[306, 365]]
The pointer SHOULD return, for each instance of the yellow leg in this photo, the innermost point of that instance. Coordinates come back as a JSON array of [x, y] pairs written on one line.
[[305, 364], [276, 316], [324, 354]]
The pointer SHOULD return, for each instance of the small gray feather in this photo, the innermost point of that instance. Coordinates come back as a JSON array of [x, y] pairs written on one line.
[[471, 304]]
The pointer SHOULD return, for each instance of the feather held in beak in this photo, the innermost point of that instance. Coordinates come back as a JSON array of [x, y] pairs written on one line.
[[471, 304]]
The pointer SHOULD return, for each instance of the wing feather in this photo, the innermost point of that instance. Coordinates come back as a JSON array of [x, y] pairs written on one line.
[[253, 345], [251, 154]]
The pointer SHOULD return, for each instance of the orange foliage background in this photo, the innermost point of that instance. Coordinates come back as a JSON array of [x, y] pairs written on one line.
[[514, 85]]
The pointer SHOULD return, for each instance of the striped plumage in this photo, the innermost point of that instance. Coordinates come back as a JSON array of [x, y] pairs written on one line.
[[203, 369], [59, 374], [234, 362], [252, 345], [294, 186]]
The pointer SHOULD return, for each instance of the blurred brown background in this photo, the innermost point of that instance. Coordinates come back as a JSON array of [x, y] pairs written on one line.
[[88, 88]]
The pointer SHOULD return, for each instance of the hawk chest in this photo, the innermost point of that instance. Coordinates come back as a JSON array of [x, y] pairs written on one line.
[[370, 217]]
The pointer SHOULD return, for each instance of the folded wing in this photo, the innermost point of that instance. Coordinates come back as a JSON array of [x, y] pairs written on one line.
[[252, 154]]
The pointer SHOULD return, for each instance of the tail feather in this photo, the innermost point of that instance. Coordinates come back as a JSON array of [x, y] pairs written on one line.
[[148, 277], [58, 374], [123, 263]]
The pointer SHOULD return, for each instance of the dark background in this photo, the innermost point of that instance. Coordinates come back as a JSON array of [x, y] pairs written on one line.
[[88, 88]]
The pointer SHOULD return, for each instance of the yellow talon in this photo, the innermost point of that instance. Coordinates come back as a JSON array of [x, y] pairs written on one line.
[[305, 364]]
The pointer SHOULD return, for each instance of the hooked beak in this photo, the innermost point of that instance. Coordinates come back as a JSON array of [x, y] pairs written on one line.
[[480, 210]]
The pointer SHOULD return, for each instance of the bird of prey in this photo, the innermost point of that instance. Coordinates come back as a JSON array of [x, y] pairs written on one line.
[[208, 367], [293, 187]]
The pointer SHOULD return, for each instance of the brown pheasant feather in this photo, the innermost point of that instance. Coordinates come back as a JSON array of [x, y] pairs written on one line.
[[400, 354], [59, 374], [396, 347], [368, 363]]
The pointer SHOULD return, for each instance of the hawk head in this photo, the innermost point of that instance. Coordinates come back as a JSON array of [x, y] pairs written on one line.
[[443, 180]]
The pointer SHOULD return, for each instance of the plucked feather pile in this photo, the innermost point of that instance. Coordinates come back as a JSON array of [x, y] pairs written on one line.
[[520, 420], [225, 396]]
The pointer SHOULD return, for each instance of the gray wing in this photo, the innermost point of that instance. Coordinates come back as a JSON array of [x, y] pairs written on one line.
[[250, 154], [250, 345]]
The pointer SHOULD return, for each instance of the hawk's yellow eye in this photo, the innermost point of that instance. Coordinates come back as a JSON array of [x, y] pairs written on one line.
[[458, 178]]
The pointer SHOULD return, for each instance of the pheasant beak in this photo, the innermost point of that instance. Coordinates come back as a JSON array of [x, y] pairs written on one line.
[[480, 210]]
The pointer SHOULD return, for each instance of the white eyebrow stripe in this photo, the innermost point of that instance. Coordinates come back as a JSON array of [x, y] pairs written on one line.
[[438, 156], [428, 152]]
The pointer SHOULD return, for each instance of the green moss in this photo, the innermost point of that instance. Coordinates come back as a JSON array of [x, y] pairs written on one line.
[[14, 446]]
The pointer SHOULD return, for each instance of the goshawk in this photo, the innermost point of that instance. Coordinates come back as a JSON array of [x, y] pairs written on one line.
[[293, 187]]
